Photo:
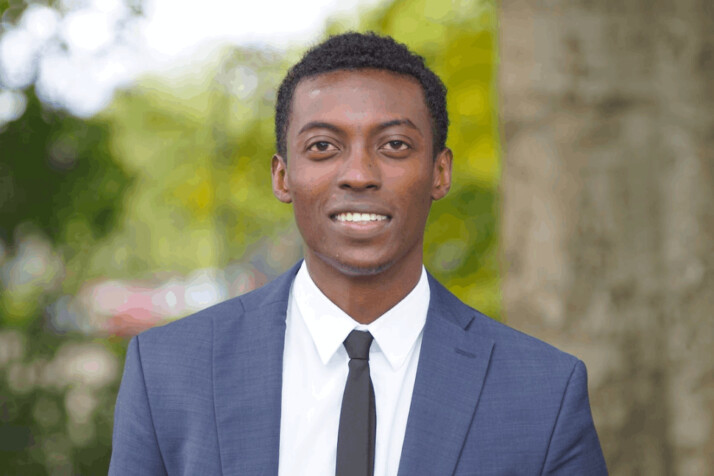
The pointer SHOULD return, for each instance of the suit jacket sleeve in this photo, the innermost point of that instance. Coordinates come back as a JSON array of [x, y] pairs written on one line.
[[574, 446], [135, 449]]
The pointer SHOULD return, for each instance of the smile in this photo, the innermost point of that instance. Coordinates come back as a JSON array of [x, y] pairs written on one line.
[[359, 217]]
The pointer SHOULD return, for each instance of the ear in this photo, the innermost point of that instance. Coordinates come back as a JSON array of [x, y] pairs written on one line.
[[442, 174], [279, 172]]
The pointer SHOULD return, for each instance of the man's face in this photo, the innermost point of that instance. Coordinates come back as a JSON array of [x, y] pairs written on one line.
[[360, 171]]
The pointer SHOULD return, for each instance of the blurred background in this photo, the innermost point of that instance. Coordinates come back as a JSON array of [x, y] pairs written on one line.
[[135, 143]]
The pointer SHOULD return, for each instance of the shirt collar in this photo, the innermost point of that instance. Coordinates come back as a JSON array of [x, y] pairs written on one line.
[[395, 332]]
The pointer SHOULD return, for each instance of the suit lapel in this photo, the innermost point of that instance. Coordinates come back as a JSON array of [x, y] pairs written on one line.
[[247, 376], [452, 368]]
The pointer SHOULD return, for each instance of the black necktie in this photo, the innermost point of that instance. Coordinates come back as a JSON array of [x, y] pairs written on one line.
[[358, 417]]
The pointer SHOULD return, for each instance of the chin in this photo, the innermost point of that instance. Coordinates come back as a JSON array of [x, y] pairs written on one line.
[[356, 268]]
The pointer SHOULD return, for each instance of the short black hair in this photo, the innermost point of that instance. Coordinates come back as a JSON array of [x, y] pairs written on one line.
[[350, 51]]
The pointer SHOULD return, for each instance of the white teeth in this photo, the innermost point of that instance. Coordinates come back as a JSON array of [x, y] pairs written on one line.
[[360, 217]]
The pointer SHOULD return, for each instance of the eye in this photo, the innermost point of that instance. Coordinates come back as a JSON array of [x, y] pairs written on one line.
[[321, 146], [396, 145]]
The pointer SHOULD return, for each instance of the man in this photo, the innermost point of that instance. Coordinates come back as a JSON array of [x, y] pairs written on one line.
[[423, 385]]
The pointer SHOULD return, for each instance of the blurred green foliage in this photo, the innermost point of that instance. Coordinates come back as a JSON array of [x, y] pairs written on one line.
[[174, 177], [62, 191]]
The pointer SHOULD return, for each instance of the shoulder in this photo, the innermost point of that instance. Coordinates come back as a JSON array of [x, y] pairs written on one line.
[[531, 392], [512, 348], [514, 345], [524, 376], [196, 332], [195, 326]]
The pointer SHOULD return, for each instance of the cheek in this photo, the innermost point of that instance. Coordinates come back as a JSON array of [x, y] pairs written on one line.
[[307, 210], [418, 206], [416, 191], [302, 207]]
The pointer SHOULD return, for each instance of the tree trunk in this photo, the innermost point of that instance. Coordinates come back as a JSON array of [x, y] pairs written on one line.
[[607, 114]]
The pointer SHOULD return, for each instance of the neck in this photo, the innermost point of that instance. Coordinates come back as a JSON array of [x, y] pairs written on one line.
[[365, 297]]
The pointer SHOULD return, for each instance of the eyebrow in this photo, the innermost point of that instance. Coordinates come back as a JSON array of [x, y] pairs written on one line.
[[380, 127], [397, 122], [319, 125]]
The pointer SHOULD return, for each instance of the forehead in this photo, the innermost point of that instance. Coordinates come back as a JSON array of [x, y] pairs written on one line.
[[359, 95]]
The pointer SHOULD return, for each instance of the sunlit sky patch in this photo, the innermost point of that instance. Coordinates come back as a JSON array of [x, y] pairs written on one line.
[[78, 57]]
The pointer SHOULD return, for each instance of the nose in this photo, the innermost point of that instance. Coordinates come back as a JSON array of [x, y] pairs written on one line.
[[360, 171]]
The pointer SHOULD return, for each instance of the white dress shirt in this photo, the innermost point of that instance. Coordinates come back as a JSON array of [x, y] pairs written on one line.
[[315, 367]]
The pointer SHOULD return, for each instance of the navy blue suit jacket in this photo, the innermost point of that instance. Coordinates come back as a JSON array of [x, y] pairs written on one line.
[[202, 396]]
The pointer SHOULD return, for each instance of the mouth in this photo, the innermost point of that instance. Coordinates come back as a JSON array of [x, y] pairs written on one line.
[[358, 217]]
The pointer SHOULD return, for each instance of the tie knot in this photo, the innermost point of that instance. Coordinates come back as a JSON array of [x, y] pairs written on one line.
[[357, 344]]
